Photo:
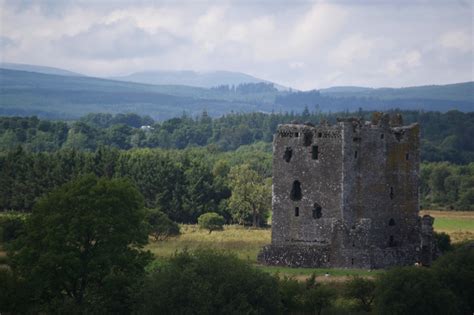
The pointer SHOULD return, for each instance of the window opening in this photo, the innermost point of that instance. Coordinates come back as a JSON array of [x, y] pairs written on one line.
[[391, 222], [320, 134], [295, 193], [307, 139], [407, 156], [391, 193], [317, 211], [288, 154], [391, 242], [315, 152], [355, 155], [382, 136], [297, 211], [297, 134], [352, 261]]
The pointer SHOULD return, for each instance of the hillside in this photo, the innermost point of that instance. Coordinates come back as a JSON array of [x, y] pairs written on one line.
[[190, 78], [39, 69], [68, 97]]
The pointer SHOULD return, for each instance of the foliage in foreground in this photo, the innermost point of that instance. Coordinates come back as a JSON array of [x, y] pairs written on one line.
[[81, 250], [206, 282]]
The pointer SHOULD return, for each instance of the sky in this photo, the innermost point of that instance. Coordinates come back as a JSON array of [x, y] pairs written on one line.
[[302, 44]]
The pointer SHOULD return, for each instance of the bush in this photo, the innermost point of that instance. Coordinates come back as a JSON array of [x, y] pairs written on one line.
[[412, 290], [443, 241], [208, 282], [15, 297], [161, 226], [211, 221], [11, 227], [362, 291], [455, 270]]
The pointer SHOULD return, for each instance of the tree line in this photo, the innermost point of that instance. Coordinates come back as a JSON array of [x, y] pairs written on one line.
[[187, 183], [445, 136]]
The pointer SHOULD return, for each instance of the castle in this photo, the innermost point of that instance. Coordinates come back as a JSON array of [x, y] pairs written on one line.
[[346, 195]]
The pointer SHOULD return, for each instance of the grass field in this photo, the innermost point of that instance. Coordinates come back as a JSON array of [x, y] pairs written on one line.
[[458, 224]]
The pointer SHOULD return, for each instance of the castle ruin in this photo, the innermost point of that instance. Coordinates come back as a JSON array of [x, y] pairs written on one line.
[[346, 195]]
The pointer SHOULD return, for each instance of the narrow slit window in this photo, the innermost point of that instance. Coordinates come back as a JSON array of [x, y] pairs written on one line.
[[288, 154], [391, 193], [352, 261], [297, 211], [391, 242], [320, 134], [317, 211], [315, 152], [295, 193], [407, 156], [391, 222], [355, 155], [382, 136], [297, 134]]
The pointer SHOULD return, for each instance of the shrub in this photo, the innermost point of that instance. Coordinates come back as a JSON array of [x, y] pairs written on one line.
[[15, 297], [412, 290], [443, 241], [316, 296], [362, 291], [161, 226], [455, 270], [11, 227], [211, 221], [208, 282]]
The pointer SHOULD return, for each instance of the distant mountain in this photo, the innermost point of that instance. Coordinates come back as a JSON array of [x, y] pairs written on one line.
[[38, 69], [26, 93], [452, 92], [192, 78]]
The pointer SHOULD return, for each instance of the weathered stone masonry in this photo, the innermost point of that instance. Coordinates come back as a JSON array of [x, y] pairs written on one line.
[[346, 195]]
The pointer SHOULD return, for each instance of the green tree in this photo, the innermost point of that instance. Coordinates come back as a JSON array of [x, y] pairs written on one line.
[[251, 195], [455, 270], [362, 290], [211, 221], [412, 290], [316, 296], [82, 246], [207, 282], [161, 226]]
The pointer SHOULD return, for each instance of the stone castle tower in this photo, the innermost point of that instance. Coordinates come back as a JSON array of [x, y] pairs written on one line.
[[346, 195]]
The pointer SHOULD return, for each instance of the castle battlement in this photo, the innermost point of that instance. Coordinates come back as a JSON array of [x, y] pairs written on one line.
[[346, 195]]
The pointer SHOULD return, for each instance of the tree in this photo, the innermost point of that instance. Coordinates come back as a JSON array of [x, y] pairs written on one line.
[[362, 290], [251, 195], [413, 290], [82, 246], [455, 270], [316, 296], [208, 282], [161, 226], [211, 221]]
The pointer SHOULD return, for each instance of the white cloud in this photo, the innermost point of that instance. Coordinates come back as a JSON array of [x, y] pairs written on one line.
[[458, 40]]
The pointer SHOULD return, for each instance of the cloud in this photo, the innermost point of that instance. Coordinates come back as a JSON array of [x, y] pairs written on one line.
[[119, 39], [459, 40], [303, 44]]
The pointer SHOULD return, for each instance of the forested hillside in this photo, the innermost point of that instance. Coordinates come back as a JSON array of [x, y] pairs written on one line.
[[24, 93]]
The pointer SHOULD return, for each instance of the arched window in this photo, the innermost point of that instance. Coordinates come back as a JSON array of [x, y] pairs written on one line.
[[317, 211], [391, 222], [288, 154], [295, 193]]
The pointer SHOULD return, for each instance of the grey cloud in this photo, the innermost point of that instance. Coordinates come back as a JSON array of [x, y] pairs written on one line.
[[6, 42]]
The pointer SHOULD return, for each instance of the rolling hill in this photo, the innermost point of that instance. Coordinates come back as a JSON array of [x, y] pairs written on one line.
[[56, 96]]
